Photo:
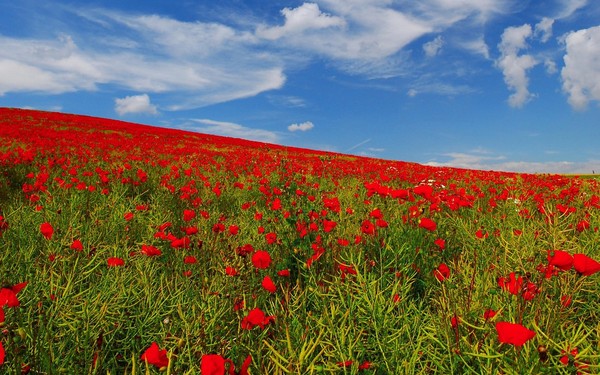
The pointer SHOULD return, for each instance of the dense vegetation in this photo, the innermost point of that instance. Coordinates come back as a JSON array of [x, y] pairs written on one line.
[[131, 249]]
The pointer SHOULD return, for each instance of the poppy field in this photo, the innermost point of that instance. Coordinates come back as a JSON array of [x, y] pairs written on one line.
[[130, 249]]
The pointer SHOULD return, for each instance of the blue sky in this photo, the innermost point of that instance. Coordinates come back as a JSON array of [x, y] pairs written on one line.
[[485, 84]]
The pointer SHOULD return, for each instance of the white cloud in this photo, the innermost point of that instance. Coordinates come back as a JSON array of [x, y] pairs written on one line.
[[287, 101], [200, 63], [568, 7], [543, 29], [368, 30], [514, 67], [230, 129], [433, 47], [53, 66], [477, 46], [485, 160], [581, 73], [550, 66], [307, 125], [306, 17], [439, 88], [135, 104]]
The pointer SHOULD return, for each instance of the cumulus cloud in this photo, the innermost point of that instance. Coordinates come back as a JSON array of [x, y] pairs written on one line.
[[135, 104], [307, 125], [581, 73], [514, 67], [306, 17], [433, 47], [230, 129]]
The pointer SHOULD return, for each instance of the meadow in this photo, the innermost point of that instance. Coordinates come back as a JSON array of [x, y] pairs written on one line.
[[129, 249]]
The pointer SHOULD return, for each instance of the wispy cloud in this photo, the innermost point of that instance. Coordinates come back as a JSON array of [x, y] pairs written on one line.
[[199, 63], [359, 144], [566, 8], [368, 37], [230, 129], [480, 159], [433, 47], [287, 101]]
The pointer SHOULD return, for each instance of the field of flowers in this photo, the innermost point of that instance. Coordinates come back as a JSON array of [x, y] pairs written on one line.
[[129, 249]]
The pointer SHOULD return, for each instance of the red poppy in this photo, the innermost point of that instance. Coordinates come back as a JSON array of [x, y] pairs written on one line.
[[245, 365], [230, 271], [328, 225], [115, 262], [46, 230], [155, 356], [271, 238], [261, 259], [190, 259], [513, 333], [441, 243], [481, 234], [190, 231], [583, 225], [512, 284], [268, 284], [424, 190], [365, 365], [128, 216], [1, 354], [212, 364], [256, 317], [345, 363], [150, 250], [427, 223], [442, 272], [77, 245], [489, 314], [530, 291], [585, 265], [367, 227], [284, 273], [2, 316], [188, 215], [560, 259], [8, 298]]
